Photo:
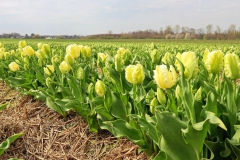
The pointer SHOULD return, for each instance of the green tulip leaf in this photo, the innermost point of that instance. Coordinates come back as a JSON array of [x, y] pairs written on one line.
[[172, 141], [6, 144]]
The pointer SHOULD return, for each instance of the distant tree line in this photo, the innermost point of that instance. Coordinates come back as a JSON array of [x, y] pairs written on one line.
[[176, 32], [37, 36]]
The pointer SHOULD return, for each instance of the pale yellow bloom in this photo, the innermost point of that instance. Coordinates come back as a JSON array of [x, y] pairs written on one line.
[[80, 73], [87, 52], [22, 44], [102, 56], [165, 78], [74, 50], [69, 59], [28, 51], [100, 88], [64, 67], [213, 61], [13, 66], [46, 50], [155, 56], [232, 66], [190, 63], [40, 45], [49, 69], [134, 74]]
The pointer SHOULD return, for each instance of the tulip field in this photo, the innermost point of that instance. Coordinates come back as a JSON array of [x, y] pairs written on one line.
[[175, 101]]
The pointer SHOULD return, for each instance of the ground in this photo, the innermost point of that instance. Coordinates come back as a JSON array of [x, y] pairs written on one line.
[[48, 136]]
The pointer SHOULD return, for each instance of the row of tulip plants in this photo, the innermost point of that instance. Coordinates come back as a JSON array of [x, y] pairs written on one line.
[[174, 104]]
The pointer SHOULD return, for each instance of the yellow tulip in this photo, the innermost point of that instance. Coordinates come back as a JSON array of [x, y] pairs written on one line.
[[49, 69], [22, 44], [1, 45], [155, 56], [165, 78], [213, 61], [134, 74], [40, 45], [13, 66], [28, 51], [232, 66], [64, 67], [100, 88], [190, 64], [69, 59], [74, 50], [87, 52], [80, 73]]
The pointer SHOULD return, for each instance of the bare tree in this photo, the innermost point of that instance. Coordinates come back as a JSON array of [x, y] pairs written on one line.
[[218, 29], [232, 28], [110, 32], [168, 30], [176, 29], [209, 29]]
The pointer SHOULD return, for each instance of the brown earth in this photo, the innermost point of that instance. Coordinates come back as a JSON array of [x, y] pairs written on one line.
[[48, 136]]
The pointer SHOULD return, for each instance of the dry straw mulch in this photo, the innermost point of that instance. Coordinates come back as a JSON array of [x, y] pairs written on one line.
[[48, 136]]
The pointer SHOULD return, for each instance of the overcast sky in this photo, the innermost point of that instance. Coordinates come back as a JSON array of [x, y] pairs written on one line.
[[85, 17]]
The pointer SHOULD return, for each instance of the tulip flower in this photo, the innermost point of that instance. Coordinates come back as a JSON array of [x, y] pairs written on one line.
[[135, 74], [213, 61], [190, 64], [232, 66], [155, 56], [80, 73], [74, 50], [100, 88], [69, 59], [49, 69], [165, 78], [22, 44], [87, 52], [64, 67], [40, 45], [28, 51], [13, 66]]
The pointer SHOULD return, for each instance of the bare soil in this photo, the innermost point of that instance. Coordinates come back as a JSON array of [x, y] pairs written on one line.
[[48, 136]]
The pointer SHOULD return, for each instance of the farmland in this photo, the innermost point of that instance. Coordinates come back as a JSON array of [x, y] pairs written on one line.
[[172, 99]]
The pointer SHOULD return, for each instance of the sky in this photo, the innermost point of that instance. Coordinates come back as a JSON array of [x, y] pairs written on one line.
[[87, 17]]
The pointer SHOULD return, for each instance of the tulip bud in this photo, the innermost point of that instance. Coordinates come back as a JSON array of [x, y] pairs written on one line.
[[39, 54], [12, 52], [165, 78], [90, 88], [153, 104], [48, 81], [13, 66], [64, 67], [87, 52], [106, 74], [150, 95], [134, 74], [26, 63], [56, 59], [213, 61], [49, 69], [40, 45], [28, 51], [190, 64], [80, 73], [22, 44], [232, 66], [168, 58], [178, 92], [69, 59], [198, 95], [155, 56], [74, 50], [46, 50], [100, 88], [118, 63], [6, 55], [161, 96], [153, 46]]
